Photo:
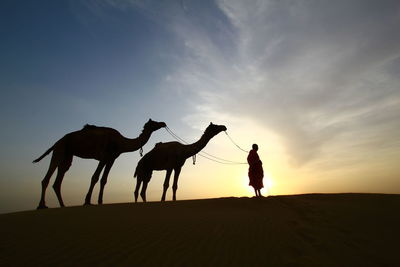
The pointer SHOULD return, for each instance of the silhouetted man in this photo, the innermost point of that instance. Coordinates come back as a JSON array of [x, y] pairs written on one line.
[[256, 172]]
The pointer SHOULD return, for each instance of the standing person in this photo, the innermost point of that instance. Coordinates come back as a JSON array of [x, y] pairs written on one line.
[[256, 172]]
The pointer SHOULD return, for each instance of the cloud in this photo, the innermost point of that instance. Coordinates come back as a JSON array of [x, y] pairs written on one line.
[[315, 73], [312, 72]]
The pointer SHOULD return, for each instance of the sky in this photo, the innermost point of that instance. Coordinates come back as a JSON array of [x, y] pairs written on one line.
[[316, 84]]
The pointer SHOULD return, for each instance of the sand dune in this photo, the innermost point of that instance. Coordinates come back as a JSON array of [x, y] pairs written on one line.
[[301, 230]]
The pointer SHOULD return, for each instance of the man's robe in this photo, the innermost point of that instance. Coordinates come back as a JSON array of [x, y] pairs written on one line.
[[256, 172]]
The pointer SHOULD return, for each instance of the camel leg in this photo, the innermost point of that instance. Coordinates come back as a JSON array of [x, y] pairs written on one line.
[[138, 183], [144, 188], [166, 183], [45, 182], [95, 178], [62, 169], [175, 185], [104, 180]]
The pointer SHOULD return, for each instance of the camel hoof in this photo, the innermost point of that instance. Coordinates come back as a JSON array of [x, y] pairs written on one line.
[[88, 204], [40, 207]]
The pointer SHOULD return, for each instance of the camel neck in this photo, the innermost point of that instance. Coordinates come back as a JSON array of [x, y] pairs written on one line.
[[196, 147], [132, 144]]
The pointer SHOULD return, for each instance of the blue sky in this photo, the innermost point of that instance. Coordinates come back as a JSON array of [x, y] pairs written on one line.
[[314, 83]]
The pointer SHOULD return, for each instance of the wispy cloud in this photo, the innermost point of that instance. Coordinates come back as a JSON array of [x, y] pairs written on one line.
[[311, 72], [316, 73]]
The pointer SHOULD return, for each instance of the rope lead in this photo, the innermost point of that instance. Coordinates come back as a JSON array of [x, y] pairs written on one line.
[[203, 153], [233, 142]]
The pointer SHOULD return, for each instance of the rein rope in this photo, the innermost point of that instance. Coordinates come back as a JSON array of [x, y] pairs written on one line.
[[233, 142], [205, 154]]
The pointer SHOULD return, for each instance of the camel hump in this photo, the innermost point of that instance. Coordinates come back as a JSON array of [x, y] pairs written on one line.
[[89, 127], [99, 129], [158, 144]]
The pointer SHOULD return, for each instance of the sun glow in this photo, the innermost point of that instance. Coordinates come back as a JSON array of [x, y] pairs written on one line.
[[268, 182]]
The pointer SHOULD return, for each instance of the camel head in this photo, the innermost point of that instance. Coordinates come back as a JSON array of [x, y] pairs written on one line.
[[153, 125], [214, 129]]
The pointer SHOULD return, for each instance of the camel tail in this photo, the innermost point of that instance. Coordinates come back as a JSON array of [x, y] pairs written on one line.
[[139, 170], [44, 155]]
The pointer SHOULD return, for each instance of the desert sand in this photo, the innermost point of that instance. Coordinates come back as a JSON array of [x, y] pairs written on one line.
[[298, 230]]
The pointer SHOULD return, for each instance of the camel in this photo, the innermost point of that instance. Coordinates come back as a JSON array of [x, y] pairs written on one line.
[[170, 156], [91, 142]]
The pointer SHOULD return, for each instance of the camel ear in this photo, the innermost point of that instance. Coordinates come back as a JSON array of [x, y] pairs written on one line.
[[150, 120], [211, 123]]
